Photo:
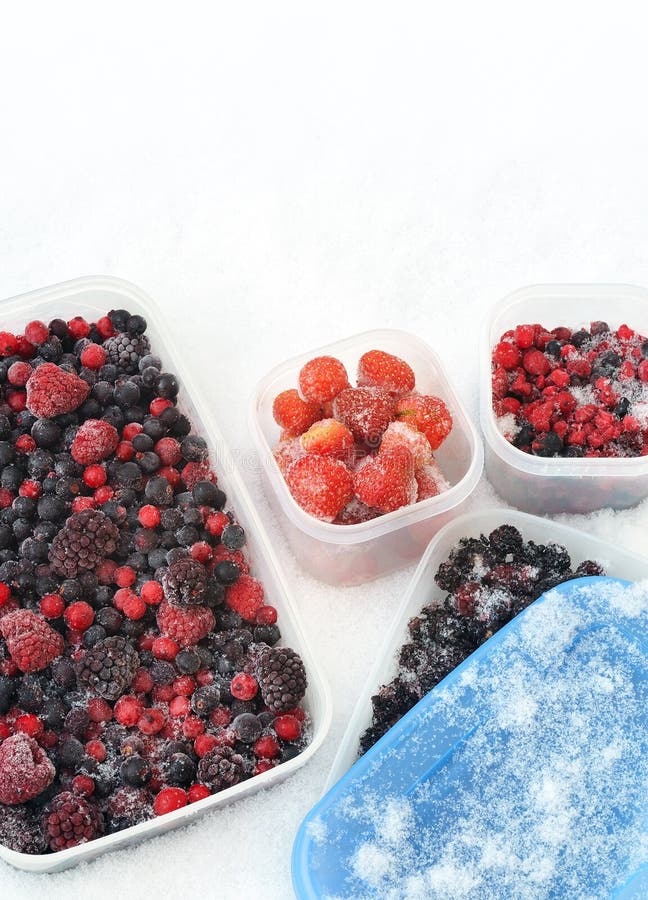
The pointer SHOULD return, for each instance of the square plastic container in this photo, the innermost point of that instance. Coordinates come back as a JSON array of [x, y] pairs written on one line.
[[352, 554], [555, 485], [423, 590], [91, 298]]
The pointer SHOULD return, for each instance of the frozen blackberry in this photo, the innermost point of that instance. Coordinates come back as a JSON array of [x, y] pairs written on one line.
[[221, 768], [125, 350], [70, 820], [550, 557], [20, 831], [504, 540], [185, 582], [281, 677], [589, 567], [109, 667], [86, 539]]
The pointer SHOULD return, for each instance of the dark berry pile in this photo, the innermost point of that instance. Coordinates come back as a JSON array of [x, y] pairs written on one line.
[[139, 661], [571, 393], [488, 581]]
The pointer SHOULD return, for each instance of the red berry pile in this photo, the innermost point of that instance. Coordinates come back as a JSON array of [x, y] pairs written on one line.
[[349, 454], [581, 393], [140, 667]]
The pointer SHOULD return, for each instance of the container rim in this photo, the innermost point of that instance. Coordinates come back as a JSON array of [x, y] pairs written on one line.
[[388, 522], [550, 467], [49, 862]]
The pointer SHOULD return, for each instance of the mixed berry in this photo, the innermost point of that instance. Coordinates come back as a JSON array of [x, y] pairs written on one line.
[[581, 393], [349, 454], [488, 581], [140, 666]]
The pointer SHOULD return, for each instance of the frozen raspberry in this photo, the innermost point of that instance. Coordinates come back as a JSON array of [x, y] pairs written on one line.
[[31, 641], [246, 597], [25, 769], [321, 486], [221, 768], [328, 438], [51, 391], [282, 678], [322, 379], [20, 831], [506, 355], [386, 482], [403, 434], [71, 819], [185, 582], [429, 414], [430, 481], [108, 667], [87, 538], [382, 370], [95, 440], [286, 452], [185, 626], [365, 411], [293, 413]]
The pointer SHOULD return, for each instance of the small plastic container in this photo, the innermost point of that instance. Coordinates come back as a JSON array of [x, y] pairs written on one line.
[[423, 590], [555, 485], [93, 297], [352, 554]]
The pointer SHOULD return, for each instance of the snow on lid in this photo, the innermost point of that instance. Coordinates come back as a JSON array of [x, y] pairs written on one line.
[[546, 796]]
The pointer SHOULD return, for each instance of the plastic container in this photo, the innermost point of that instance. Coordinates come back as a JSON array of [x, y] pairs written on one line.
[[555, 485], [91, 298], [423, 590], [472, 764], [352, 554]]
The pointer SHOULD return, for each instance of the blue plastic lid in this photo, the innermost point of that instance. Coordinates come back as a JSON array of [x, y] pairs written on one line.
[[523, 774]]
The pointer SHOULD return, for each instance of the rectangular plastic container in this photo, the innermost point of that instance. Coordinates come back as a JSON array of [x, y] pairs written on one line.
[[423, 590], [554, 485], [91, 298], [352, 554]]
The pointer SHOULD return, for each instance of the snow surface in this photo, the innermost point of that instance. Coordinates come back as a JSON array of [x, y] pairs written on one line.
[[278, 176]]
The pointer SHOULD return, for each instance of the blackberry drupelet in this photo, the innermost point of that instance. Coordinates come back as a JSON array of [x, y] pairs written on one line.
[[109, 667], [86, 539], [281, 677]]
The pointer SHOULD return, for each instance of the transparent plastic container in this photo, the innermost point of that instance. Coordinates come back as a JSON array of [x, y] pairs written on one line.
[[91, 298], [352, 554], [423, 590], [555, 485]]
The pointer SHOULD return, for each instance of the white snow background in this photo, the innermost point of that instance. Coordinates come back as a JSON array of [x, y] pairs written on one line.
[[280, 175]]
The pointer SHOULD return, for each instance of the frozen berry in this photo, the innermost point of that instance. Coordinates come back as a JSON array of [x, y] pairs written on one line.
[[428, 414], [321, 379], [294, 414], [321, 486], [328, 437], [386, 482], [51, 391], [383, 370], [366, 412]]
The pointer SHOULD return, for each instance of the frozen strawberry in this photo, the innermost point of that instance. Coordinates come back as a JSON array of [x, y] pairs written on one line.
[[379, 369], [429, 414], [245, 597], [185, 626], [386, 481], [293, 413], [25, 769], [356, 512], [51, 391], [322, 486], [402, 434], [328, 438], [32, 643], [95, 440], [430, 481], [287, 452], [365, 411], [322, 379]]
